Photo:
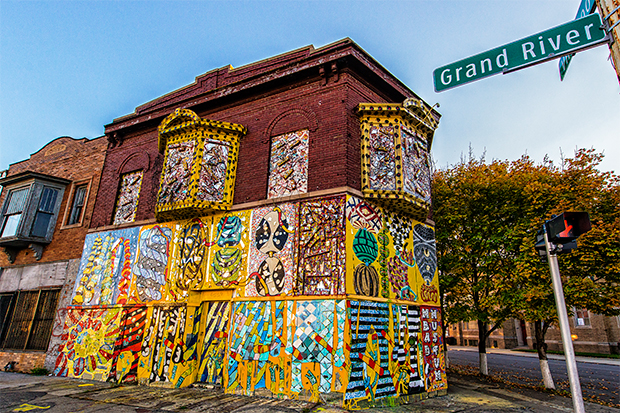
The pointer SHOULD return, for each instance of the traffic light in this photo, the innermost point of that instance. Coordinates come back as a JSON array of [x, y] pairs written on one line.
[[567, 227], [562, 231]]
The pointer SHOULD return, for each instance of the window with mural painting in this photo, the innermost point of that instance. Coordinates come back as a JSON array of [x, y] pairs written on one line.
[[288, 164], [127, 199]]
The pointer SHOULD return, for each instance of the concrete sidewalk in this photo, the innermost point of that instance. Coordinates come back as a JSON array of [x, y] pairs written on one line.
[[22, 392], [516, 352]]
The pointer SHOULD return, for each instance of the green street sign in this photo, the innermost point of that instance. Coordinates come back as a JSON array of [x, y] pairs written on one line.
[[585, 7], [550, 44]]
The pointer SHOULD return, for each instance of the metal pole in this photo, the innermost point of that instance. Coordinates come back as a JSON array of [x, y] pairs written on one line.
[[558, 292]]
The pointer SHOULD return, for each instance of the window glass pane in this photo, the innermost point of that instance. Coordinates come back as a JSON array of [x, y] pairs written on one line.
[[43, 321], [48, 200], [17, 333], [41, 223], [17, 200], [78, 204], [10, 225]]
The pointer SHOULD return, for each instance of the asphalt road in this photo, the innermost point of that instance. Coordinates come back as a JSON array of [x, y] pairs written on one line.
[[598, 381]]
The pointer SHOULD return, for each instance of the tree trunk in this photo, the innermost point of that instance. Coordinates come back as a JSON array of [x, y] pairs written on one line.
[[541, 348], [482, 348]]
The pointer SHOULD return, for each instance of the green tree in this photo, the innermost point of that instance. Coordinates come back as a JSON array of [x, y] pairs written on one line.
[[487, 216], [476, 243], [590, 273]]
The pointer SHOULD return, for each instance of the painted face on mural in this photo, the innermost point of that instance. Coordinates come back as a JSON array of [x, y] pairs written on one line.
[[272, 232], [270, 279], [425, 251]]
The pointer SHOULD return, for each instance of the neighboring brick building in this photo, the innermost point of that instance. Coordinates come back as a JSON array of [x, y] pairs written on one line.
[[591, 333], [46, 206], [265, 229]]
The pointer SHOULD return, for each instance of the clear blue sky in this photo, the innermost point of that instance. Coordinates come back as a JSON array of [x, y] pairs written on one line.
[[67, 68]]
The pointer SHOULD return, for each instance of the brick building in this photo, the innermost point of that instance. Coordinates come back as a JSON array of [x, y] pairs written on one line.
[[265, 229], [591, 333], [46, 206]]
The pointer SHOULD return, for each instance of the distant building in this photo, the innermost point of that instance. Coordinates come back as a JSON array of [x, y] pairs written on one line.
[[265, 229], [591, 333], [46, 206]]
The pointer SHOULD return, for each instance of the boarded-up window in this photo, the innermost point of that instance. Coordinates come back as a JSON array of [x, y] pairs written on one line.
[[127, 199], [28, 319], [288, 165]]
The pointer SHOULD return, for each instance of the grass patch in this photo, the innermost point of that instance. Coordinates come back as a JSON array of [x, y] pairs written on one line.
[[39, 371]]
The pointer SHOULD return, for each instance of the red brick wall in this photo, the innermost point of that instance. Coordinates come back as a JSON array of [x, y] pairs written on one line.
[[78, 160], [325, 107], [26, 361]]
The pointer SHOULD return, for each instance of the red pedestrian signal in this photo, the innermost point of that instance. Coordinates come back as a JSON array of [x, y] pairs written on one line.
[[567, 227]]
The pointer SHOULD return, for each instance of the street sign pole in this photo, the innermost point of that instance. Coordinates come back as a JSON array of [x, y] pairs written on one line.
[[558, 292]]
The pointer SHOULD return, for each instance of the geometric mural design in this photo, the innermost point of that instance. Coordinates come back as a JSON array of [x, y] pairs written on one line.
[[256, 301]]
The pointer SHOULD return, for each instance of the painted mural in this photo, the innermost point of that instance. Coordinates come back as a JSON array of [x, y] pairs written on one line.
[[271, 255], [332, 296], [382, 171], [150, 269], [105, 272], [389, 255], [88, 338], [416, 168], [212, 178], [288, 164], [177, 172], [127, 199], [321, 247], [229, 250]]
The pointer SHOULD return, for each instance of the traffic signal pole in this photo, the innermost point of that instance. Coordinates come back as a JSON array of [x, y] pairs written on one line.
[[569, 353]]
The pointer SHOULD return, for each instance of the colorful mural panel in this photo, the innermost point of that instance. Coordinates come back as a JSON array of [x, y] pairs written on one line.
[[150, 269], [321, 268], [369, 375], [88, 343], [124, 365], [127, 199], [229, 250], [163, 345], [401, 274], [416, 170], [214, 342], [271, 255], [105, 275], [174, 184], [385, 353], [382, 154], [288, 164], [287, 348], [424, 251], [364, 224], [389, 254], [432, 349], [318, 338], [212, 179], [408, 371], [190, 257]]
